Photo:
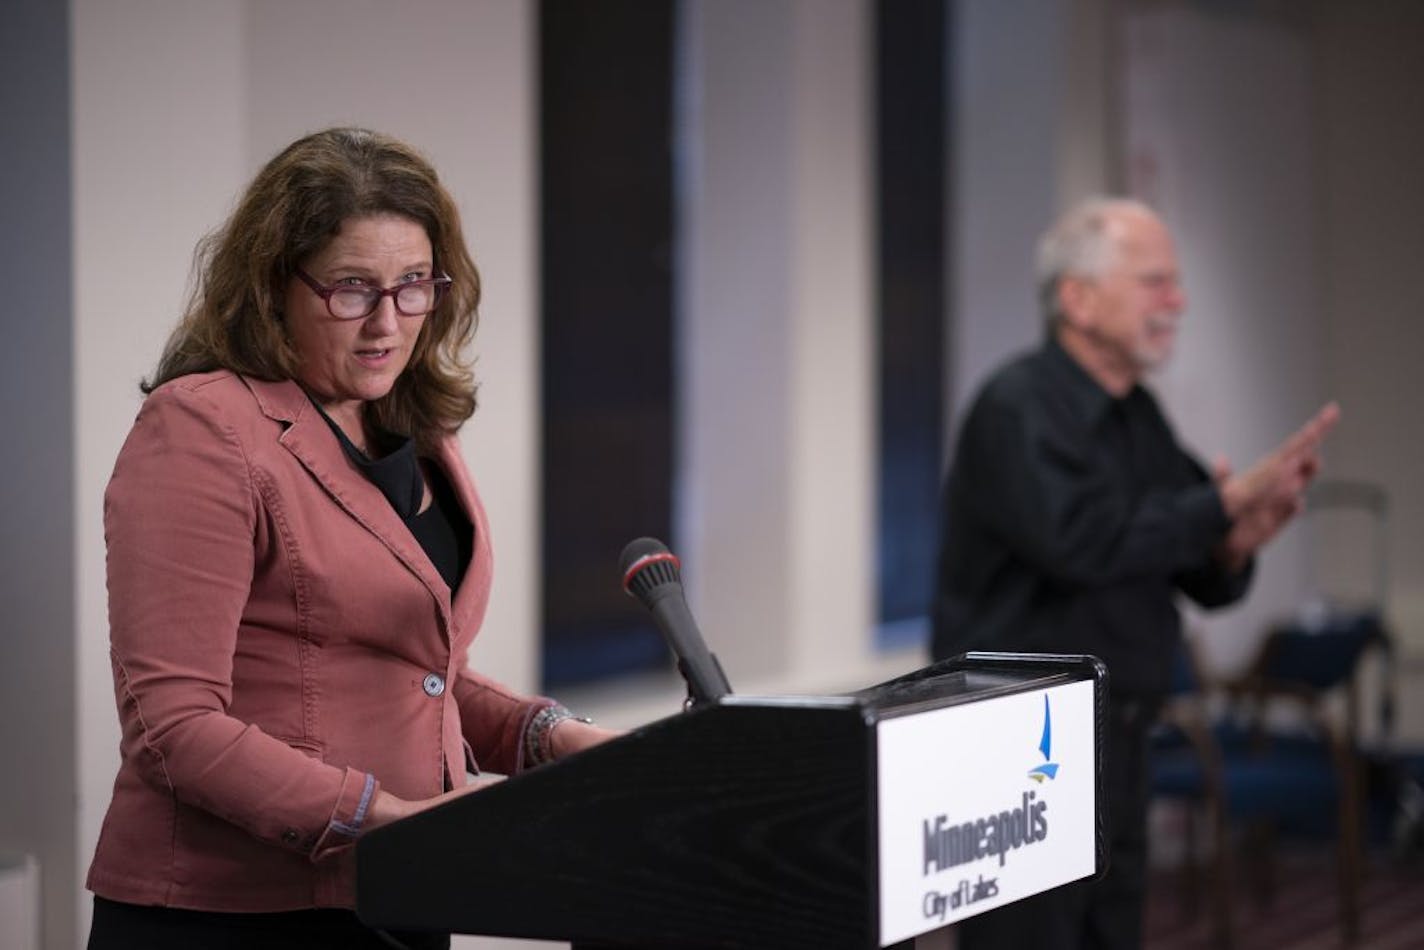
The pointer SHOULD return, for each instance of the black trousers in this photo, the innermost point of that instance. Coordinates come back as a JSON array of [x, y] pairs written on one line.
[[120, 926], [1090, 915]]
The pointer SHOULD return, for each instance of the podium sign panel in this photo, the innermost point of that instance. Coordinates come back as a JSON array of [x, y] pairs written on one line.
[[983, 804]]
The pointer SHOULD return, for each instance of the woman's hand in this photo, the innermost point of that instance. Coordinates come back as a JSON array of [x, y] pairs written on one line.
[[566, 738], [388, 808], [575, 735]]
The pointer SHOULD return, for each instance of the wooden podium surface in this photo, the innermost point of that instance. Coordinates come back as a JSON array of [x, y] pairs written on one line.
[[753, 822]]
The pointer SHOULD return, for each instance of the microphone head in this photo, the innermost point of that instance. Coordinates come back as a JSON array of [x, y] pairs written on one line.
[[647, 564]]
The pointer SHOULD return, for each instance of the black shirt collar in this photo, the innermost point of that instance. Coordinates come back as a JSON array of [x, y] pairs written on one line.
[[1089, 400], [396, 473]]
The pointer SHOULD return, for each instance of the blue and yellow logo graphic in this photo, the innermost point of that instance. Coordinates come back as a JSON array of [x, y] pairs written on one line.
[[1048, 769]]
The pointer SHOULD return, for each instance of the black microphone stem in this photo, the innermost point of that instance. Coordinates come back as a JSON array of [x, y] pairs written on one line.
[[652, 574]]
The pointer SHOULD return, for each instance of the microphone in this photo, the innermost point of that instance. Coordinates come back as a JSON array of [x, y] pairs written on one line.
[[653, 575]]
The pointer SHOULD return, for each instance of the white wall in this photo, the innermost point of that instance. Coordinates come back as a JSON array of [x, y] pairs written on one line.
[[1371, 147], [735, 346], [1219, 126], [776, 483], [145, 188]]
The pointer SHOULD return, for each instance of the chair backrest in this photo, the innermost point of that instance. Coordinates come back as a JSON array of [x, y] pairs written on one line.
[[1354, 514], [1322, 656]]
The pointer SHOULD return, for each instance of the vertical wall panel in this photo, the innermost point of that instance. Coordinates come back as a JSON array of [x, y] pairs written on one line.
[[911, 170], [734, 337], [832, 394], [37, 567], [775, 356], [609, 406]]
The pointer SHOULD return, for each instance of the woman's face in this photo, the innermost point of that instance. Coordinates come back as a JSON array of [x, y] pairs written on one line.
[[345, 363]]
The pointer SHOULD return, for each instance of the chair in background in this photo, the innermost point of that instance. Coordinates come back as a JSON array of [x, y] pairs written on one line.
[[1274, 762], [1186, 768]]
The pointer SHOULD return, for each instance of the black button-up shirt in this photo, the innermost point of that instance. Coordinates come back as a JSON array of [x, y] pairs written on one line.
[[1071, 519]]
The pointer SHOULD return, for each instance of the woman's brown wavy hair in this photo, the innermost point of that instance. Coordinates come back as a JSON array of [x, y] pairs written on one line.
[[294, 206]]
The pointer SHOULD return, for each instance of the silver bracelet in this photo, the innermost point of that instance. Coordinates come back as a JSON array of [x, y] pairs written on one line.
[[538, 738]]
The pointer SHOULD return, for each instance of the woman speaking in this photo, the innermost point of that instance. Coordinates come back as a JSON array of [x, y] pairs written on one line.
[[298, 561]]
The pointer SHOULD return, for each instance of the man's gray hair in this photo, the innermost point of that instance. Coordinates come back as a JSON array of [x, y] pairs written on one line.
[[1078, 245]]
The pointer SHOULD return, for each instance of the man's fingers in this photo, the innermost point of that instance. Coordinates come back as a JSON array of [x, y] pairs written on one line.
[[1220, 468], [1285, 471], [1307, 439], [1314, 431]]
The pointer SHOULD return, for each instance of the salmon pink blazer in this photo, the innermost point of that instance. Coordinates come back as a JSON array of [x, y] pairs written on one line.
[[282, 648]]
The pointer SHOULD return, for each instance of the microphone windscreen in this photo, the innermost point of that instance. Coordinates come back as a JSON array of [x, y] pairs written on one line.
[[647, 564]]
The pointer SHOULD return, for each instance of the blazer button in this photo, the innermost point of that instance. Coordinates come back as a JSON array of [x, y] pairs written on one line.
[[290, 836], [434, 684]]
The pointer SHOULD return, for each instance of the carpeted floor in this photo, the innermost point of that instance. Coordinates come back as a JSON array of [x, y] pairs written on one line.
[[1304, 914]]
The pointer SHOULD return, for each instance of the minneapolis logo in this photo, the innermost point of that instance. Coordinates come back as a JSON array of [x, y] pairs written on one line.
[[1049, 769], [950, 844]]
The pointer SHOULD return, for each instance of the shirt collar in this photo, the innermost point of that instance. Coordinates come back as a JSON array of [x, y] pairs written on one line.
[[1089, 400], [396, 474]]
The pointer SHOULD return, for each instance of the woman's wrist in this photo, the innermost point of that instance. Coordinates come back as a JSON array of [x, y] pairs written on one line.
[[539, 737], [386, 808]]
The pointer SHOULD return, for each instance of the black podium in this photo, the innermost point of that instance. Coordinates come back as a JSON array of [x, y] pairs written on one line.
[[782, 822]]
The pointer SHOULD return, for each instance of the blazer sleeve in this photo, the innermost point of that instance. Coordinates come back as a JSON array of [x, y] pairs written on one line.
[[181, 521], [495, 721]]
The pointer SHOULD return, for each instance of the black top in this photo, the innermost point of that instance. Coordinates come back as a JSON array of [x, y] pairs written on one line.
[[1071, 519], [443, 530]]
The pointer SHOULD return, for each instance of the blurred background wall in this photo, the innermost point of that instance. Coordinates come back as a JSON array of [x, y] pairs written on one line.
[[1280, 141]]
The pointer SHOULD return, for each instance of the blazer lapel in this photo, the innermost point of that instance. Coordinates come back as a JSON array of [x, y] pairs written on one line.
[[311, 441]]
